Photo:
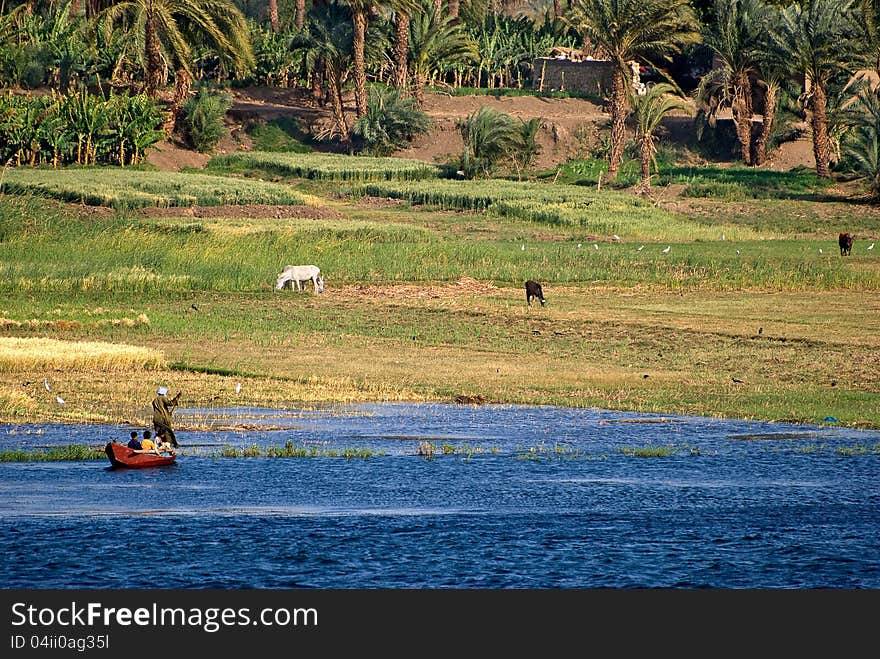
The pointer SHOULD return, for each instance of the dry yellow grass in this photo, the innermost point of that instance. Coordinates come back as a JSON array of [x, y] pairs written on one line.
[[29, 354]]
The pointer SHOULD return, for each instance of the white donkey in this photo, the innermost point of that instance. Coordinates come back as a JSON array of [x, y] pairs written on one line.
[[298, 275]]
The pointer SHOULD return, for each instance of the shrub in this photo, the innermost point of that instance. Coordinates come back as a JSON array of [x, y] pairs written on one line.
[[390, 123], [524, 156], [862, 145], [488, 136], [203, 119]]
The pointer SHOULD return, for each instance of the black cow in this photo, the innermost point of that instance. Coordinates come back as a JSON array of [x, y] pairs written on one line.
[[845, 240], [533, 289]]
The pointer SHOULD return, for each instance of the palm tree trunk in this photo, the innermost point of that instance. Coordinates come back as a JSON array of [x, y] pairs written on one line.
[[336, 101], [618, 123], [452, 6], [300, 14], [318, 83], [419, 82], [401, 50], [769, 114], [153, 57], [182, 86], [646, 160], [359, 18], [273, 14], [819, 123], [438, 6], [557, 8], [742, 116]]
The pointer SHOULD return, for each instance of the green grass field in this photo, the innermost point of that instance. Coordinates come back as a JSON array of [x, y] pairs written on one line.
[[128, 188], [743, 316], [323, 166]]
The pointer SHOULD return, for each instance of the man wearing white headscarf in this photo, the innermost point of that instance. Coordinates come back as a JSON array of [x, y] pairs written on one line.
[[162, 410]]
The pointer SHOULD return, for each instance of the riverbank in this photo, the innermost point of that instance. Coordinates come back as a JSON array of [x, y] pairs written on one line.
[[769, 356]]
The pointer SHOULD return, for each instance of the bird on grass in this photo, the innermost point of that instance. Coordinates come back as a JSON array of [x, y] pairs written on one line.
[[666, 251], [595, 246], [238, 388], [737, 380], [820, 250], [640, 248], [46, 382], [579, 245], [760, 330], [60, 400], [616, 237], [871, 246], [194, 307], [522, 247]]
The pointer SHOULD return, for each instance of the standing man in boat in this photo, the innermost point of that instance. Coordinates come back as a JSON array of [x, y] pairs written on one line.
[[162, 410]]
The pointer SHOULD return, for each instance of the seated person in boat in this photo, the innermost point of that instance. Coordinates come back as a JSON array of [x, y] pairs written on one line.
[[164, 446], [134, 442], [148, 444]]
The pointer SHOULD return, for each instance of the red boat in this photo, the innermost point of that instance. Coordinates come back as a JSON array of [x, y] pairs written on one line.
[[122, 456]]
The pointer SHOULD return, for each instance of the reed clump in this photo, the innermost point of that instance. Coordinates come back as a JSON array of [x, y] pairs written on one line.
[[291, 451], [53, 454], [649, 451]]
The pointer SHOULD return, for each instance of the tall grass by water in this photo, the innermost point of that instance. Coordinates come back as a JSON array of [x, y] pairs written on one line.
[[35, 354], [325, 166], [53, 454], [127, 188]]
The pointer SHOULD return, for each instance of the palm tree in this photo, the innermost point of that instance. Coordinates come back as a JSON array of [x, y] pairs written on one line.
[[168, 28], [819, 38], [735, 39], [327, 44], [628, 30], [863, 143], [650, 109], [870, 20], [434, 40], [360, 12], [771, 81]]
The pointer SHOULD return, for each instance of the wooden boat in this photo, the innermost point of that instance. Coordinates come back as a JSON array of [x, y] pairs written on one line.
[[122, 456]]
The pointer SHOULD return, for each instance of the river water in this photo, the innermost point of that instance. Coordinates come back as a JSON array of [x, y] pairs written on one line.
[[513, 497]]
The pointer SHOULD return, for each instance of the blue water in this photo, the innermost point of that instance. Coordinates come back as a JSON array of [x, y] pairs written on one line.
[[532, 497]]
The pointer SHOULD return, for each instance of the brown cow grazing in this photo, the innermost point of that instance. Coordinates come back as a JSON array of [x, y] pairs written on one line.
[[533, 290], [845, 240]]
